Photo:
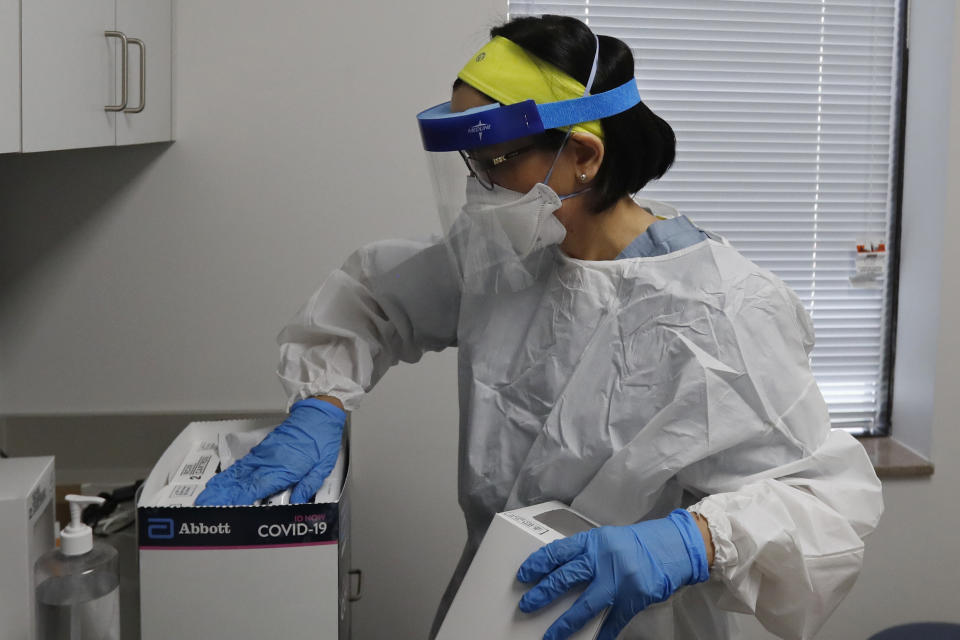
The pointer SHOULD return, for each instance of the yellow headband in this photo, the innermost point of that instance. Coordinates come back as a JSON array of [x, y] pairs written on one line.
[[507, 73]]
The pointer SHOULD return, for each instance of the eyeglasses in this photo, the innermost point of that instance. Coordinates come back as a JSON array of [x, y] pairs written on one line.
[[482, 168]]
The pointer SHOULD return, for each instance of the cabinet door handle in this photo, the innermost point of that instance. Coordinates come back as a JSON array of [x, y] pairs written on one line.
[[353, 597], [143, 75], [123, 71]]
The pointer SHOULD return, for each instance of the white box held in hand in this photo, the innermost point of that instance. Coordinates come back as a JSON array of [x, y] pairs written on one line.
[[240, 571], [485, 606]]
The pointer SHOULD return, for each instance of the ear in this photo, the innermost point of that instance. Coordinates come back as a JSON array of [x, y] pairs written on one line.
[[588, 154]]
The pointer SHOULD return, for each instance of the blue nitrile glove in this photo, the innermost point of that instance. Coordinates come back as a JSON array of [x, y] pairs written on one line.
[[625, 568], [301, 452]]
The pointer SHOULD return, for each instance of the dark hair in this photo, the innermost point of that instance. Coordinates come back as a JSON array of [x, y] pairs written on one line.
[[639, 146]]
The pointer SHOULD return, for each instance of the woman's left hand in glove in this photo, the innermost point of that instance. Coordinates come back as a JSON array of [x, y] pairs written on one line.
[[624, 568]]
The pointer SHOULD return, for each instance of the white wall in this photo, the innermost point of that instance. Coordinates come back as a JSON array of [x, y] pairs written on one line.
[[153, 279]]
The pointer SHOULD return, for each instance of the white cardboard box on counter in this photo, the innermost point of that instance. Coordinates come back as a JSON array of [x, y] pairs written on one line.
[[485, 606], [26, 533], [245, 571]]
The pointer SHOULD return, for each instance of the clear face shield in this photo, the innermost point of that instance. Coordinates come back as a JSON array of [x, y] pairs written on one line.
[[501, 240]]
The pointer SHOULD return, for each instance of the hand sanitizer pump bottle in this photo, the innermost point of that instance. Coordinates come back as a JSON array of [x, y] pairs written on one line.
[[78, 588]]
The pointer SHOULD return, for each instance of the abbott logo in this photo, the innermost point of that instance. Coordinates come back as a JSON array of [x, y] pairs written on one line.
[[160, 528], [202, 529]]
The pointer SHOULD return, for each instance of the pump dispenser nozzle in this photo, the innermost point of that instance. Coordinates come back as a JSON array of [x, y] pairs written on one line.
[[77, 538]]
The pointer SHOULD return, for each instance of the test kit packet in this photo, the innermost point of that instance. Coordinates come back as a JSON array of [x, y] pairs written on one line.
[[486, 603], [199, 466], [240, 571]]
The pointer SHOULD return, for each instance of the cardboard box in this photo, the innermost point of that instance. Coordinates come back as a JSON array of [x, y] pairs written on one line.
[[26, 533], [485, 606], [245, 571]]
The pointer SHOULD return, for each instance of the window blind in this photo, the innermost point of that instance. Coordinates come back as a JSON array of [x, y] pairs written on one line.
[[786, 115]]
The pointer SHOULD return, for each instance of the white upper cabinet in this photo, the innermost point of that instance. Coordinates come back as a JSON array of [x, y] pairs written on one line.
[[68, 69], [9, 76], [150, 23], [82, 73]]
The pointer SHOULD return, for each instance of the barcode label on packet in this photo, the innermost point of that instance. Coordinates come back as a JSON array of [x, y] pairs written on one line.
[[177, 495], [184, 490], [199, 465], [195, 469], [534, 527]]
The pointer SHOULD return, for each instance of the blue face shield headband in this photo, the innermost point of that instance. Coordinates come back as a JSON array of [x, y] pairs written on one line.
[[443, 130]]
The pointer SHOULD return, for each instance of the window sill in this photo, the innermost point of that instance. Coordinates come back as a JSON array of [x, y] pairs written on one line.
[[893, 460]]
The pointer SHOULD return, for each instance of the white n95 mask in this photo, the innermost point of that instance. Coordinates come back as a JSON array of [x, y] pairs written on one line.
[[499, 240], [526, 220]]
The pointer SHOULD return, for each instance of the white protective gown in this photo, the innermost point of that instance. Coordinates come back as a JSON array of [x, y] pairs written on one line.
[[624, 388]]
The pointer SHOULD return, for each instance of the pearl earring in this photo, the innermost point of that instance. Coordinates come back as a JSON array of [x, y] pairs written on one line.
[[583, 177]]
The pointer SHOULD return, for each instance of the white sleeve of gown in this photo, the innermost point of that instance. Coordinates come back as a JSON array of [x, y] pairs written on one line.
[[788, 511], [391, 301]]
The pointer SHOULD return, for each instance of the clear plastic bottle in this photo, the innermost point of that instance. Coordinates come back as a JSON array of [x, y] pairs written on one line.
[[78, 587]]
